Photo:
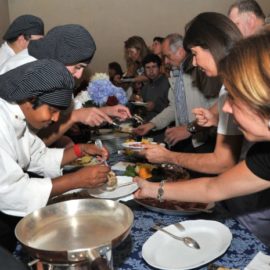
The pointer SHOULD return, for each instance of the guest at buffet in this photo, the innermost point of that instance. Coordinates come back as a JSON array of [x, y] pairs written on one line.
[[208, 48], [155, 92], [135, 51], [19, 33], [182, 98], [157, 46], [249, 18], [247, 15], [246, 74], [115, 73], [72, 45], [32, 95], [251, 210]]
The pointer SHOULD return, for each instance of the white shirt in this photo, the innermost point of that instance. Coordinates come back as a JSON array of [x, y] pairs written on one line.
[[226, 124], [5, 53], [21, 150], [16, 60]]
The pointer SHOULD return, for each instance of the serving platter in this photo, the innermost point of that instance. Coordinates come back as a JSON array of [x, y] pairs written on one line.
[[176, 207], [173, 173]]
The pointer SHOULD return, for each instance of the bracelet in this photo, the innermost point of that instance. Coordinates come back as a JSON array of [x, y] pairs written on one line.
[[161, 191], [77, 150]]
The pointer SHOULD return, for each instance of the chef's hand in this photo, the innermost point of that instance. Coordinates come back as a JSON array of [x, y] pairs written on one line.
[[146, 189], [92, 176], [93, 150], [90, 116], [120, 111]]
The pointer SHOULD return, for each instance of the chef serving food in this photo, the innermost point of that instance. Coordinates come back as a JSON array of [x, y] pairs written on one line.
[[32, 96]]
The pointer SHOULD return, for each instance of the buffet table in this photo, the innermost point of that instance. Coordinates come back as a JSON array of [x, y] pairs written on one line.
[[128, 255]]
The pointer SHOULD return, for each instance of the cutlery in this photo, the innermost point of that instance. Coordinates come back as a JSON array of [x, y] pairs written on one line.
[[137, 118], [187, 240], [121, 185], [115, 125], [178, 225], [99, 144]]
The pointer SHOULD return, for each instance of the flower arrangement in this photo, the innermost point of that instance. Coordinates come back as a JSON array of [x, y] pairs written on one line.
[[102, 92]]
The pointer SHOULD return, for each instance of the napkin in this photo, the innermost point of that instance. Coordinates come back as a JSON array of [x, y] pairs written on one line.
[[259, 262]]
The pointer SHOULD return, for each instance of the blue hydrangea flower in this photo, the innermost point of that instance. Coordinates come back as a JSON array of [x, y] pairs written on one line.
[[99, 91]]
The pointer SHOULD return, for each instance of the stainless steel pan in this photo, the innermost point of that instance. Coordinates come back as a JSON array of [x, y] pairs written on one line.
[[74, 231]]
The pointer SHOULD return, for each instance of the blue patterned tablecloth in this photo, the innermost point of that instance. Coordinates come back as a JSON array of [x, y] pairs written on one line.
[[128, 256]]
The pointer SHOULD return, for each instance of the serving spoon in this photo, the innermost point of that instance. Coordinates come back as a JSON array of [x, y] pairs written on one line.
[[190, 242]]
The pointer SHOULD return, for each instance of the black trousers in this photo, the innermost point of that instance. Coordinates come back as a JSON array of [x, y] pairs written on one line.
[[7, 231]]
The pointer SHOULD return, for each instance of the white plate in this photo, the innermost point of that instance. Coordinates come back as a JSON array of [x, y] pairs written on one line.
[[213, 237], [139, 103], [118, 192], [137, 146], [133, 145]]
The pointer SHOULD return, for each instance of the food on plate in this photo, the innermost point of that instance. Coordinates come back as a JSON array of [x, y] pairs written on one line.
[[156, 172], [143, 140], [112, 180], [145, 173], [127, 128], [173, 205], [83, 161], [140, 169], [130, 171]]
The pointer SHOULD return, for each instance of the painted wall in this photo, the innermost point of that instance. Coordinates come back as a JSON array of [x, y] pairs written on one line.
[[111, 22], [4, 17]]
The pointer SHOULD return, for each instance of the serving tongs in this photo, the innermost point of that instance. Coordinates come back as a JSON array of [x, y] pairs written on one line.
[[115, 125], [137, 118]]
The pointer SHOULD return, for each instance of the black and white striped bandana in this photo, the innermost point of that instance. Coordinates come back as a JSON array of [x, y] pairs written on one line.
[[48, 80], [24, 25], [69, 44]]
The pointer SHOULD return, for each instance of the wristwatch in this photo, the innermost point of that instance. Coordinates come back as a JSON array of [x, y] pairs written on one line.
[[161, 191], [192, 127]]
